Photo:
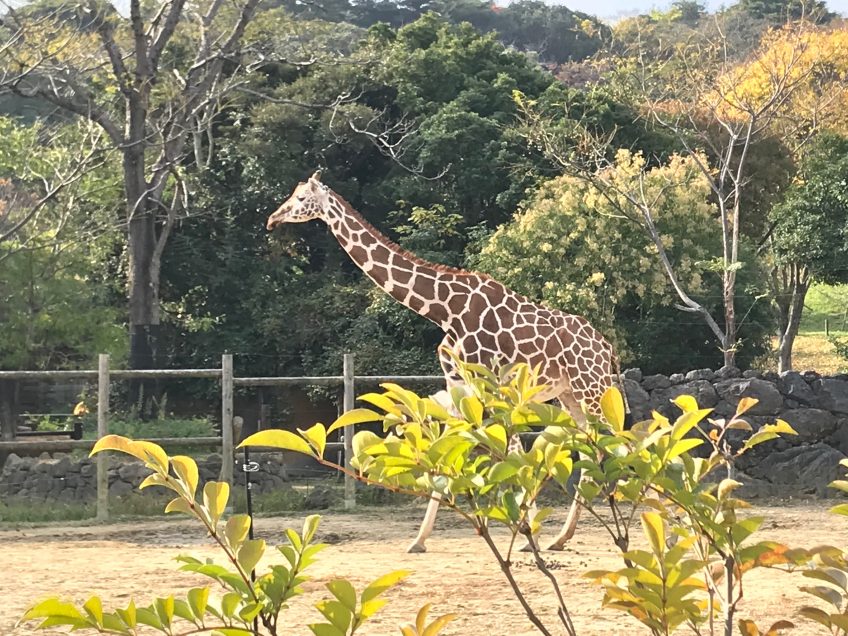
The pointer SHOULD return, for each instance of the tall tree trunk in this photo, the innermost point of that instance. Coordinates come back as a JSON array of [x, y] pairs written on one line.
[[790, 308], [729, 340]]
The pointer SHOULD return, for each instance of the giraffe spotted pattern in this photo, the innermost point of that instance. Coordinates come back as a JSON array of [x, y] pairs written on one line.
[[483, 321]]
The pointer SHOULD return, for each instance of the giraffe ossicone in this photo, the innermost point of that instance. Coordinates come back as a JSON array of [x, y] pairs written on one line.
[[484, 322]]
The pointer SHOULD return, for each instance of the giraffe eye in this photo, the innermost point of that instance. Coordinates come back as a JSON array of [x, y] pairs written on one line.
[[301, 199]]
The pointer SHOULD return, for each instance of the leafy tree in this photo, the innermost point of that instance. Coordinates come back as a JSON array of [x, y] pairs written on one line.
[[56, 240], [780, 11], [810, 235], [571, 248], [154, 82]]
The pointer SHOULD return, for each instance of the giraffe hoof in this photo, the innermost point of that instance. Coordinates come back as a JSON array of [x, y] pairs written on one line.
[[416, 548], [556, 547], [525, 548]]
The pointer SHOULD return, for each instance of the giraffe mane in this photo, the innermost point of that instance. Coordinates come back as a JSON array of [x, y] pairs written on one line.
[[387, 242]]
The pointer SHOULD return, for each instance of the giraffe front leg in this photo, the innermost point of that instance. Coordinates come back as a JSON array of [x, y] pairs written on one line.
[[569, 528], [426, 525]]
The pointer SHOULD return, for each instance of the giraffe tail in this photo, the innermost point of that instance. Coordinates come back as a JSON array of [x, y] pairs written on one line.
[[628, 414]]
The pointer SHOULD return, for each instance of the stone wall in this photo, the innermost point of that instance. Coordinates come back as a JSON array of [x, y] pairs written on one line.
[[815, 406], [72, 479]]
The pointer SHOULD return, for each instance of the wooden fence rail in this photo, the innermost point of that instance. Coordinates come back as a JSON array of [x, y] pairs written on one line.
[[104, 376]]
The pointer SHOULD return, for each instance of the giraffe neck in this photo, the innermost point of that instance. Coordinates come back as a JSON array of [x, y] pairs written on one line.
[[414, 282]]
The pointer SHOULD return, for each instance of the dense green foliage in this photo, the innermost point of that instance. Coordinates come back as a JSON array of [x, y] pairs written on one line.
[[342, 86]]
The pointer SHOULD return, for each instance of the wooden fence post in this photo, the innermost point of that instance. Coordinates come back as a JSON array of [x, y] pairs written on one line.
[[102, 431], [227, 456], [350, 482]]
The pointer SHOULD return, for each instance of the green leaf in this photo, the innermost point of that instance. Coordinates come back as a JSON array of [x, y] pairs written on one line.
[[471, 409], [165, 609], [502, 471], [337, 613], [369, 608], [355, 416], [53, 607], [229, 602], [343, 591], [326, 629], [652, 524], [250, 553], [841, 509], [198, 598], [215, 497], [278, 438], [612, 406], [186, 469], [94, 608], [496, 434], [686, 403], [382, 584], [310, 527], [236, 530]]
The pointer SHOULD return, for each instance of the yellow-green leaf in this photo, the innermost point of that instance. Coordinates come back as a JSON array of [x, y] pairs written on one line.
[[278, 438], [154, 479], [727, 486], [343, 591], [383, 583], [686, 403], [215, 496], [148, 452], [471, 409], [612, 406], [355, 416], [236, 530], [198, 598], [317, 436], [746, 404], [94, 608], [250, 553], [652, 524], [179, 504], [186, 469]]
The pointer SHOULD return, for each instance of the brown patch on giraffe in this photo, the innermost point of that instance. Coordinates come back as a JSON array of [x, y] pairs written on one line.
[[401, 276], [415, 303], [457, 304], [358, 254]]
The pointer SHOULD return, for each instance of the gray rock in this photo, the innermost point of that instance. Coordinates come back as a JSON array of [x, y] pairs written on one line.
[[832, 394], [61, 468], [804, 469], [701, 390], [731, 391], [319, 498], [839, 438], [657, 381], [677, 378], [810, 376], [812, 425], [700, 374], [725, 373], [793, 385], [87, 470], [633, 374], [120, 489], [638, 400], [12, 460], [752, 373], [45, 456], [770, 376]]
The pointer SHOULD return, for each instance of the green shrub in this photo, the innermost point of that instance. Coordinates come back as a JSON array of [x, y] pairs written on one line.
[[253, 603]]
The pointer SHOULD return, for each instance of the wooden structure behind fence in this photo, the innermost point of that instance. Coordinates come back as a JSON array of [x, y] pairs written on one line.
[[104, 376]]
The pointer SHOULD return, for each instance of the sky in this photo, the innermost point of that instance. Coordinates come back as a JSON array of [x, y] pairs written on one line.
[[611, 9]]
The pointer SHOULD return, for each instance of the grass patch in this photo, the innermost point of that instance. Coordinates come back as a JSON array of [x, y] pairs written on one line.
[[814, 351]]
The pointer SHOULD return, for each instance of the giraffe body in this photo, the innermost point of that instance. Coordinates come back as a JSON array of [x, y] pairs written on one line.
[[484, 322]]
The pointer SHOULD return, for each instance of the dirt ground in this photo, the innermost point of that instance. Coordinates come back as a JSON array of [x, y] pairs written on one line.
[[456, 575]]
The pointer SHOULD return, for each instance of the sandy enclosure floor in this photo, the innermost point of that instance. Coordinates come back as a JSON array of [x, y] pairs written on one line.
[[457, 574]]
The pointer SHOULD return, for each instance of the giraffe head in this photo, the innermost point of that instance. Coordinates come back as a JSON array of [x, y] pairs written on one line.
[[310, 200]]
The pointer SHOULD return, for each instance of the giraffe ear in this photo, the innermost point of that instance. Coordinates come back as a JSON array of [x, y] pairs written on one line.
[[316, 176]]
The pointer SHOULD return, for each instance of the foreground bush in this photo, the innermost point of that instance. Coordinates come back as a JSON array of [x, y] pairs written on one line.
[[701, 544], [252, 603]]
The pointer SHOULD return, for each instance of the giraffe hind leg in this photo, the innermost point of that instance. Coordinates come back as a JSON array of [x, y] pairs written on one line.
[[426, 525]]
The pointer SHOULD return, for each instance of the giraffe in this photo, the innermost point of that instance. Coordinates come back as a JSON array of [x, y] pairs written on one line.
[[484, 322]]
